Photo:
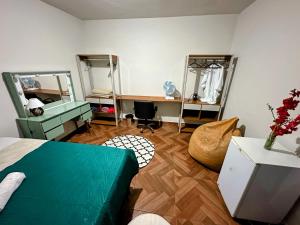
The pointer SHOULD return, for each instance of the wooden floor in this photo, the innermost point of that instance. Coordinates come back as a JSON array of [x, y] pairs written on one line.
[[173, 185]]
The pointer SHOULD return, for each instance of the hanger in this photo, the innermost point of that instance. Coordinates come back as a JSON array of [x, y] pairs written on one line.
[[194, 64], [214, 65]]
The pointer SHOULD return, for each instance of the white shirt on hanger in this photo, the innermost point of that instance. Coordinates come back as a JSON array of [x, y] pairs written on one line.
[[212, 84]]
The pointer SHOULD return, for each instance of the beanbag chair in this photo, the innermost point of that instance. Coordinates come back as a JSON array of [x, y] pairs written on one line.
[[209, 142]]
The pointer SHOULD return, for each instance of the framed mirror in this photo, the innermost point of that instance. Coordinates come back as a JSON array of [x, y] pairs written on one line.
[[51, 89]]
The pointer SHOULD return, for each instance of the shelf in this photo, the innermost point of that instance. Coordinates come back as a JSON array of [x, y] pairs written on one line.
[[191, 120], [198, 102], [103, 122], [104, 114], [98, 96], [187, 129], [97, 57], [207, 120], [196, 120], [216, 56]]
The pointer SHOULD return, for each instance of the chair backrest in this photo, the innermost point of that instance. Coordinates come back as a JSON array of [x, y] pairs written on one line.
[[144, 109]]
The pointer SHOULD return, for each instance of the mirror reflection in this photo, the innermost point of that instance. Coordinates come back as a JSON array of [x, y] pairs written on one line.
[[47, 88]]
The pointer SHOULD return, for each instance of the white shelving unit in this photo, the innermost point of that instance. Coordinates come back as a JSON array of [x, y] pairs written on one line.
[[199, 110], [86, 63]]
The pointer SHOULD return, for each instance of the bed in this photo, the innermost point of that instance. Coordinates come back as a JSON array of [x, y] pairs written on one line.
[[66, 183]]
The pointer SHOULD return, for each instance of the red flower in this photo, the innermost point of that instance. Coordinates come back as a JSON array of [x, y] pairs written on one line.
[[295, 93], [290, 103], [283, 124]]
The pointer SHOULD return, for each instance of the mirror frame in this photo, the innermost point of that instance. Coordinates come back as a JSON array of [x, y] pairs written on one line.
[[16, 91]]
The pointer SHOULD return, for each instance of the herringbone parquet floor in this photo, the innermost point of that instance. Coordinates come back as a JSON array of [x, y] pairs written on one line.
[[173, 185]]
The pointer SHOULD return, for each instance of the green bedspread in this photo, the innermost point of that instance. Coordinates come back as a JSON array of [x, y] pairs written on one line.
[[70, 184]]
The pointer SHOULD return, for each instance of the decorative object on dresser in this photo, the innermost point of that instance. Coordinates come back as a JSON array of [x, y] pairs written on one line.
[[34, 106], [142, 147], [284, 124], [62, 115], [257, 184], [209, 142]]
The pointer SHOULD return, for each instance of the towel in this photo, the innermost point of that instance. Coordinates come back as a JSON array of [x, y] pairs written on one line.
[[8, 186]]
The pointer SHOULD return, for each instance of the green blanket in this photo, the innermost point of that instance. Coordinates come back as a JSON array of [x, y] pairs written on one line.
[[70, 184]]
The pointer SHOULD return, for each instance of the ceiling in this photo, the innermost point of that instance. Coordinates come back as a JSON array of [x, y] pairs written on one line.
[[124, 9]]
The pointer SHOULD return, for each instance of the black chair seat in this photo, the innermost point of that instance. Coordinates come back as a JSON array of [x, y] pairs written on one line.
[[145, 111]]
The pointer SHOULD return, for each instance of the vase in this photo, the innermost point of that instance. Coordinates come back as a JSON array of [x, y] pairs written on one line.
[[270, 141]]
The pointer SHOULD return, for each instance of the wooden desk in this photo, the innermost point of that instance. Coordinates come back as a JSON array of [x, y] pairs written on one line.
[[147, 98], [150, 98], [137, 98]]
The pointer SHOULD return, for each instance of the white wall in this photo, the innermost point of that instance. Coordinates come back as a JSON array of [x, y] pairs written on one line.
[[153, 50], [267, 43], [34, 36]]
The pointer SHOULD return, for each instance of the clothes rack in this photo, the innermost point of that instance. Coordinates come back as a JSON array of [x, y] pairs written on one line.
[[106, 100], [194, 112], [205, 63]]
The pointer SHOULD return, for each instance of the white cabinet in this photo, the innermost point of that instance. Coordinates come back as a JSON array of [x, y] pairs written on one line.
[[258, 184]]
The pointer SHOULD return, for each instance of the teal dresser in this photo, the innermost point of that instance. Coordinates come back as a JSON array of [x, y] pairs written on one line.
[[51, 124], [62, 115]]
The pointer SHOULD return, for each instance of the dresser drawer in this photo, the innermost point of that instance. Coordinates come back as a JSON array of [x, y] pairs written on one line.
[[50, 124], [70, 115], [85, 108], [51, 134], [86, 115]]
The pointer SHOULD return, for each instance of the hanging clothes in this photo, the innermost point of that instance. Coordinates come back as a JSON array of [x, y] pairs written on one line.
[[212, 84]]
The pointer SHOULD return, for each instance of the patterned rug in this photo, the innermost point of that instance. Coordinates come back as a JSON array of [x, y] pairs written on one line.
[[142, 147]]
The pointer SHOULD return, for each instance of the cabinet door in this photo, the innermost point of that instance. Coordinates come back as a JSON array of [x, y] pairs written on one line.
[[234, 176]]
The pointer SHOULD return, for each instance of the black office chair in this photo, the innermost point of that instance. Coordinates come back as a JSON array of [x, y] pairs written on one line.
[[145, 110]]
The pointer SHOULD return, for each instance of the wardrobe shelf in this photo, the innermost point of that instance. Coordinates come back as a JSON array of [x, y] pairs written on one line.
[[197, 120], [198, 102], [99, 96], [103, 122], [104, 114], [209, 56], [187, 129], [94, 57]]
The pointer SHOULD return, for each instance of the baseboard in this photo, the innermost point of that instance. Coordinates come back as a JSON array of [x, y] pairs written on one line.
[[168, 119]]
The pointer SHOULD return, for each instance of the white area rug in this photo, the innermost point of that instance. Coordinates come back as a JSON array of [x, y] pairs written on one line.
[[142, 147]]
